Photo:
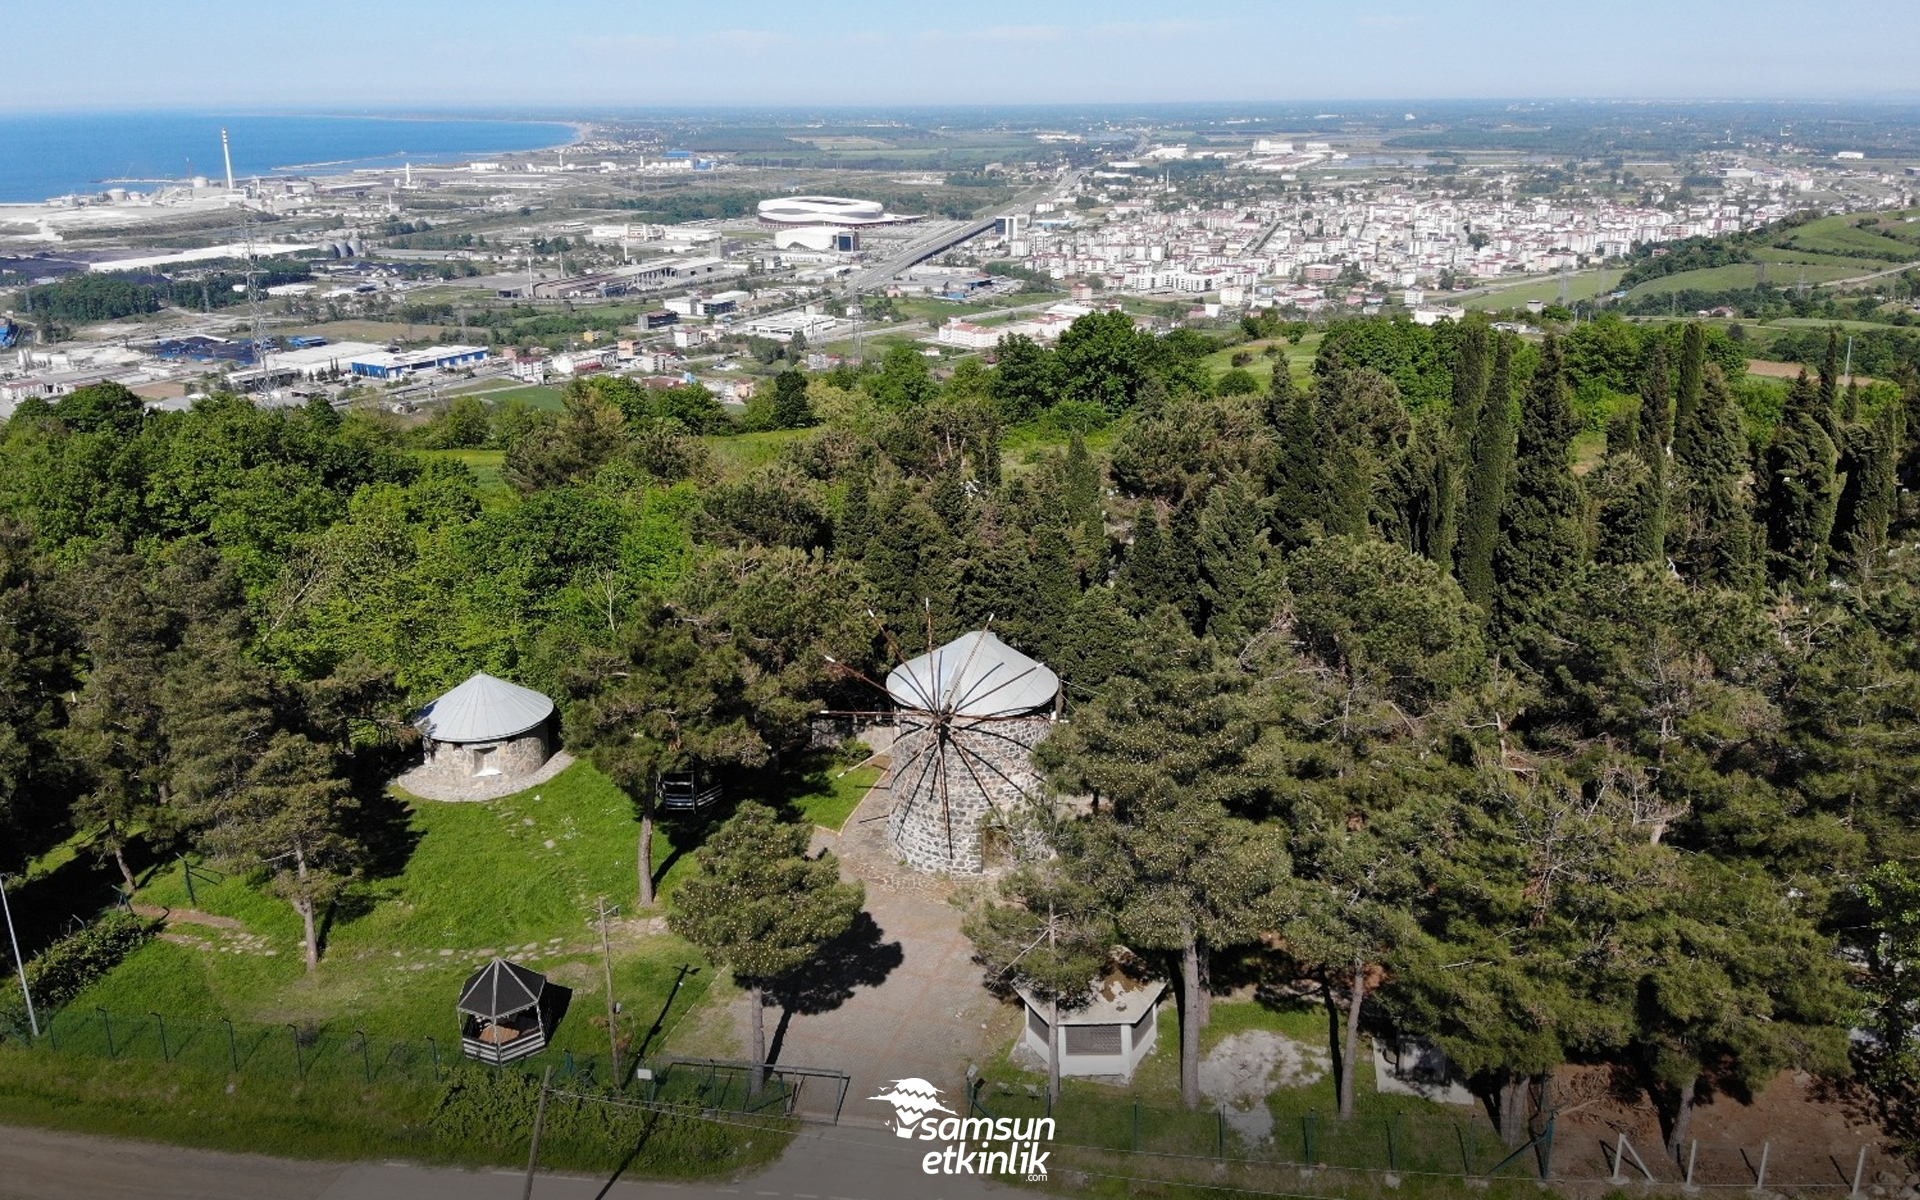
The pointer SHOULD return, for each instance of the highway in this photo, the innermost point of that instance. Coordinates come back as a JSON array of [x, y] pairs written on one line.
[[920, 250]]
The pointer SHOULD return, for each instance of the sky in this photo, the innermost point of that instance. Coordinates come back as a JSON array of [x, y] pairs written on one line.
[[382, 54]]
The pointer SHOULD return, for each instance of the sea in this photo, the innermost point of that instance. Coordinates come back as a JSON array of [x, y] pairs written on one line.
[[43, 155]]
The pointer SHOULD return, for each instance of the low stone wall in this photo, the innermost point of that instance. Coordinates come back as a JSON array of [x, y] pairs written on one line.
[[983, 772]]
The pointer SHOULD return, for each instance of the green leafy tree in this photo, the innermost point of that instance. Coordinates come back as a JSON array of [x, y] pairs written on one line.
[[760, 905]]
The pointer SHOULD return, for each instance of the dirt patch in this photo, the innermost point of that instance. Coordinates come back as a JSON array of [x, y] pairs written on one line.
[[188, 916], [1780, 370], [1240, 1072]]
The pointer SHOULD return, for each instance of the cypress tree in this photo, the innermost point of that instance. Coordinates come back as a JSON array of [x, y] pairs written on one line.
[[855, 526], [1870, 463], [1799, 488], [1488, 471], [1711, 536], [1655, 428], [1693, 361], [1830, 377], [1233, 558], [1297, 488], [1148, 576], [1626, 497], [1540, 527]]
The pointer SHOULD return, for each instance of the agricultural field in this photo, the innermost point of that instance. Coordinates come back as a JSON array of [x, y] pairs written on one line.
[[1745, 275], [1581, 285]]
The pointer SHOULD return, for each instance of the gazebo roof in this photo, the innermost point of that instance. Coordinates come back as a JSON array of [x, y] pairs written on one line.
[[483, 709], [501, 989], [975, 675]]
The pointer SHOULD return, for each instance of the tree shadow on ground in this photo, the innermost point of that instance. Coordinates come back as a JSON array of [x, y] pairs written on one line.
[[855, 959]]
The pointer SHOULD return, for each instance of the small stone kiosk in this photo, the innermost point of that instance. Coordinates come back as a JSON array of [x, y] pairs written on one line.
[[1108, 1036], [482, 737]]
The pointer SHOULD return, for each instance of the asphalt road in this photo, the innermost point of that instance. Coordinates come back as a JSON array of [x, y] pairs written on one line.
[[843, 1163]]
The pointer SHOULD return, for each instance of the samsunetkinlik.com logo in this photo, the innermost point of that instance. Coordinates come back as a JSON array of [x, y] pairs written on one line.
[[1018, 1139]]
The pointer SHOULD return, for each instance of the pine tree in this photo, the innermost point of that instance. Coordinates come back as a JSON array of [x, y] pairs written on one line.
[[1488, 473], [1149, 577], [1540, 527], [1799, 489]]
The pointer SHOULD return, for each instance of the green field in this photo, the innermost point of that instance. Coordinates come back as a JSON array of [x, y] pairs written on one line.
[[1581, 285], [1299, 358], [483, 463], [1745, 275], [1889, 243], [532, 395]]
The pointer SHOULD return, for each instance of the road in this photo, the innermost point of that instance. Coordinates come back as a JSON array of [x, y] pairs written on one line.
[[925, 248], [842, 1163]]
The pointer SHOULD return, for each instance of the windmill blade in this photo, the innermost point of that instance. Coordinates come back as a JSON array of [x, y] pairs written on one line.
[[946, 805], [900, 769], [1009, 780], [855, 712]]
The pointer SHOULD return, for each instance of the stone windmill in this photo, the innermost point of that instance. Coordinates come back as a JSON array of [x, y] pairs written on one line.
[[970, 713]]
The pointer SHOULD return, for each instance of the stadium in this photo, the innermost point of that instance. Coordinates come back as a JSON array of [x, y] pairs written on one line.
[[826, 210]]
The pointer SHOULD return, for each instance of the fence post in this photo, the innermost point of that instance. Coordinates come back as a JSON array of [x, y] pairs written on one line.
[[106, 1023], [1693, 1153], [539, 1119], [1221, 1140], [165, 1054], [1619, 1153], [366, 1064], [1310, 1121], [1546, 1150], [186, 869], [1136, 1126], [1760, 1182], [233, 1051], [1859, 1172]]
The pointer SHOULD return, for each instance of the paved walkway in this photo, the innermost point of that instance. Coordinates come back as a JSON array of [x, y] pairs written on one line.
[[839, 1164], [902, 998]]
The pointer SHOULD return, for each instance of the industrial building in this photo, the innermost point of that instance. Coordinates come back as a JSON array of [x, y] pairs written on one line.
[[816, 237], [385, 364]]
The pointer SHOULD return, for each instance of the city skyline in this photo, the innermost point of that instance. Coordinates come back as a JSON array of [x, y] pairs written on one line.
[[594, 53]]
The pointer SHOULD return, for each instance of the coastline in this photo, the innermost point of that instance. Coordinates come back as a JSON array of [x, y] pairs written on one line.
[[575, 132]]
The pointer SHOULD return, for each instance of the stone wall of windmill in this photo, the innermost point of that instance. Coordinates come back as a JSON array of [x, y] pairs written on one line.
[[989, 778]]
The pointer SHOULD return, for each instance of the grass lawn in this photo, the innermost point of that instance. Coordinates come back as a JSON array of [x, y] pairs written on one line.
[[532, 395], [483, 463], [834, 793], [739, 453], [1299, 358]]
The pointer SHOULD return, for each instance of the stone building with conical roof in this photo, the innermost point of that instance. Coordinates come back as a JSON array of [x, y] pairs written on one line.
[[483, 734]]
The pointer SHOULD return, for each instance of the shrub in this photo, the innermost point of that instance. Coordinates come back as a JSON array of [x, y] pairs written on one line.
[[71, 965]]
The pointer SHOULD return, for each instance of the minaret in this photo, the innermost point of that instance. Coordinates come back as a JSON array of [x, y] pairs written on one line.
[[227, 153], [409, 167]]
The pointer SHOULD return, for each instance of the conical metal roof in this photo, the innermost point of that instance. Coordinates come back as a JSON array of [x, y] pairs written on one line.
[[501, 989], [975, 675], [483, 709]]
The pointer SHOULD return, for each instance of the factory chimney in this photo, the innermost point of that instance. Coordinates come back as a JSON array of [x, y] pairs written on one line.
[[227, 153]]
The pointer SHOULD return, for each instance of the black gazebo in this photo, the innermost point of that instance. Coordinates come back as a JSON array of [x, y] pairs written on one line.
[[506, 1012]]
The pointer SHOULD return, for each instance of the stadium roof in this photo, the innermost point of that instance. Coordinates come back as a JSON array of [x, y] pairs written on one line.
[[483, 709], [975, 675]]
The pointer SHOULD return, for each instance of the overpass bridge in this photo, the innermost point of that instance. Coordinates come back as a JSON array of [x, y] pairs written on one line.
[[922, 249]]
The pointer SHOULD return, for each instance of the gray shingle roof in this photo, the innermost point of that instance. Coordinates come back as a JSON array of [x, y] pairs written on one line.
[[500, 989]]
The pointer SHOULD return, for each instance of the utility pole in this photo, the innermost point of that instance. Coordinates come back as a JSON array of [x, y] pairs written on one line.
[[613, 1010], [539, 1120], [19, 963]]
